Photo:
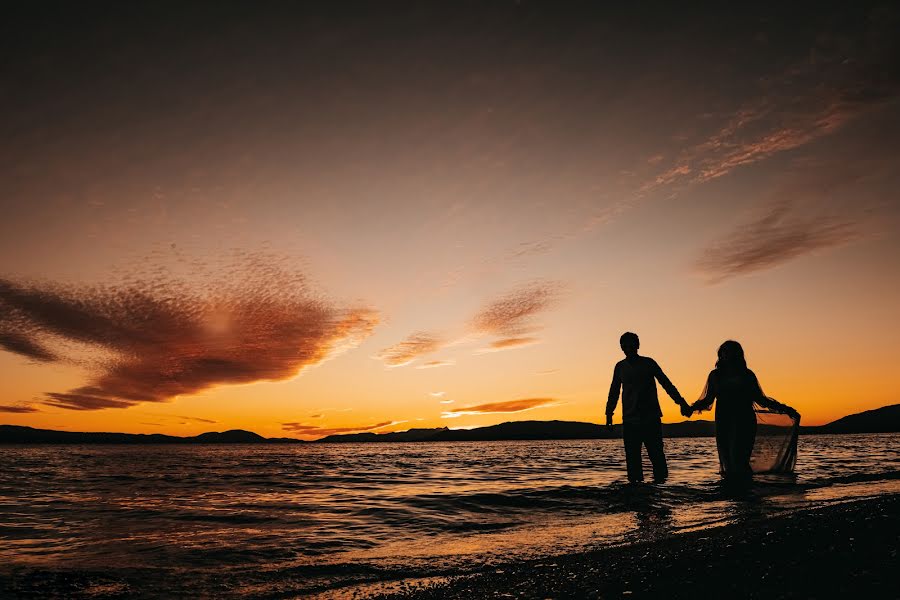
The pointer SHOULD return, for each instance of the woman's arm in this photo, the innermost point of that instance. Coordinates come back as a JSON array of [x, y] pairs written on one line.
[[771, 403], [709, 394]]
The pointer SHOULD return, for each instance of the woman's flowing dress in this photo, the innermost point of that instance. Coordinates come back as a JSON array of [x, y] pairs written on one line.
[[754, 433]]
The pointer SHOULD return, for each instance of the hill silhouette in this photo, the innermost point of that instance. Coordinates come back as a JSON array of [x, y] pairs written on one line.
[[412, 435], [881, 420], [519, 430], [15, 434]]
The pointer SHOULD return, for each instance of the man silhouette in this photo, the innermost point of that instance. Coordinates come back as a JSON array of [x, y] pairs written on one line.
[[641, 416]]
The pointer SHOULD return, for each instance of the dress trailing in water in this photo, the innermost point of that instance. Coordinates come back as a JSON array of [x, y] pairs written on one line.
[[754, 433]]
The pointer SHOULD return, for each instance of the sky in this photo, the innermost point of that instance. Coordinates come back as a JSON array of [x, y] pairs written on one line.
[[313, 220]]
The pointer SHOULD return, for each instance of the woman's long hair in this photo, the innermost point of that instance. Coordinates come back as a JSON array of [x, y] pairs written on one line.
[[731, 358]]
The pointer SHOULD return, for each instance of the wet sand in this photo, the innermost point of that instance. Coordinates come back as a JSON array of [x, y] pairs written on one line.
[[848, 550]]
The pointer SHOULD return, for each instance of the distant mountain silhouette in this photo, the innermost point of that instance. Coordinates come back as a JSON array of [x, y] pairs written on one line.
[[880, 420], [14, 434], [232, 436], [412, 435], [519, 430]]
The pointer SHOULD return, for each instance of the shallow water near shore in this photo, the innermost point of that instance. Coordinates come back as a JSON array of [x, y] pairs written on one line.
[[282, 520]]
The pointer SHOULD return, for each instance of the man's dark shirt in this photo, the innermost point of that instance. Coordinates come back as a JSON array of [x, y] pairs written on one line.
[[637, 377]]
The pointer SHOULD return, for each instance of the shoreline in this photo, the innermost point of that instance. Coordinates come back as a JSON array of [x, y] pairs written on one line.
[[845, 550]]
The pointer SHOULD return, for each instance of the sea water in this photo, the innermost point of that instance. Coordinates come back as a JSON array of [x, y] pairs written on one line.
[[287, 520]]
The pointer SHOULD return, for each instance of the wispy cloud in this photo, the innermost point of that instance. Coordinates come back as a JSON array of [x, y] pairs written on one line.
[[17, 408], [773, 238], [441, 397], [506, 406], [306, 430], [535, 247], [508, 343], [416, 345], [182, 418], [154, 338], [431, 364], [80, 401], [808, 101], [836, 80], [512, 315]]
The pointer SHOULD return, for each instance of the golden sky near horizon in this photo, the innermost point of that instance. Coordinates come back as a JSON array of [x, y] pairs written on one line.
[[301, 224]]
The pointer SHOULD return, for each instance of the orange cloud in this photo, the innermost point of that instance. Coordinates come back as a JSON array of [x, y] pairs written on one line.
[[507, 406], [507, 343], [431, 364], [512, 314], [509, 316], [156, 338], [410, 349]]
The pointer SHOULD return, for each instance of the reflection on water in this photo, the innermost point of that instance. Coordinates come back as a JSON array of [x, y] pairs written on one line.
[[326, 514]]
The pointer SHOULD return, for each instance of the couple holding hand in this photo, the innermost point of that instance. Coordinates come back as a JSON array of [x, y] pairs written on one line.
[[731, 383]]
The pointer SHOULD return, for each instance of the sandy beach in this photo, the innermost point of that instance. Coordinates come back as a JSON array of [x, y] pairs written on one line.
[[847, 550]]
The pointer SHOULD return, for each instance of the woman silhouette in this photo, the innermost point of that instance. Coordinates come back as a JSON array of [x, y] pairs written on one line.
[[739, 393]]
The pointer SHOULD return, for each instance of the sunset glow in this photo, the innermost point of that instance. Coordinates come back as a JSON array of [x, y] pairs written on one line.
[[368, 225]]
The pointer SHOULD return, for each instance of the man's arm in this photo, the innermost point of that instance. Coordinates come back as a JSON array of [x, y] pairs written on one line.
[[670, 388], [613, 398]]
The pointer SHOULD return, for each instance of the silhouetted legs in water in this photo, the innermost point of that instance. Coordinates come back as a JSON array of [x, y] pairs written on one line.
[[649, 434], [735, 437], [635, 378]]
